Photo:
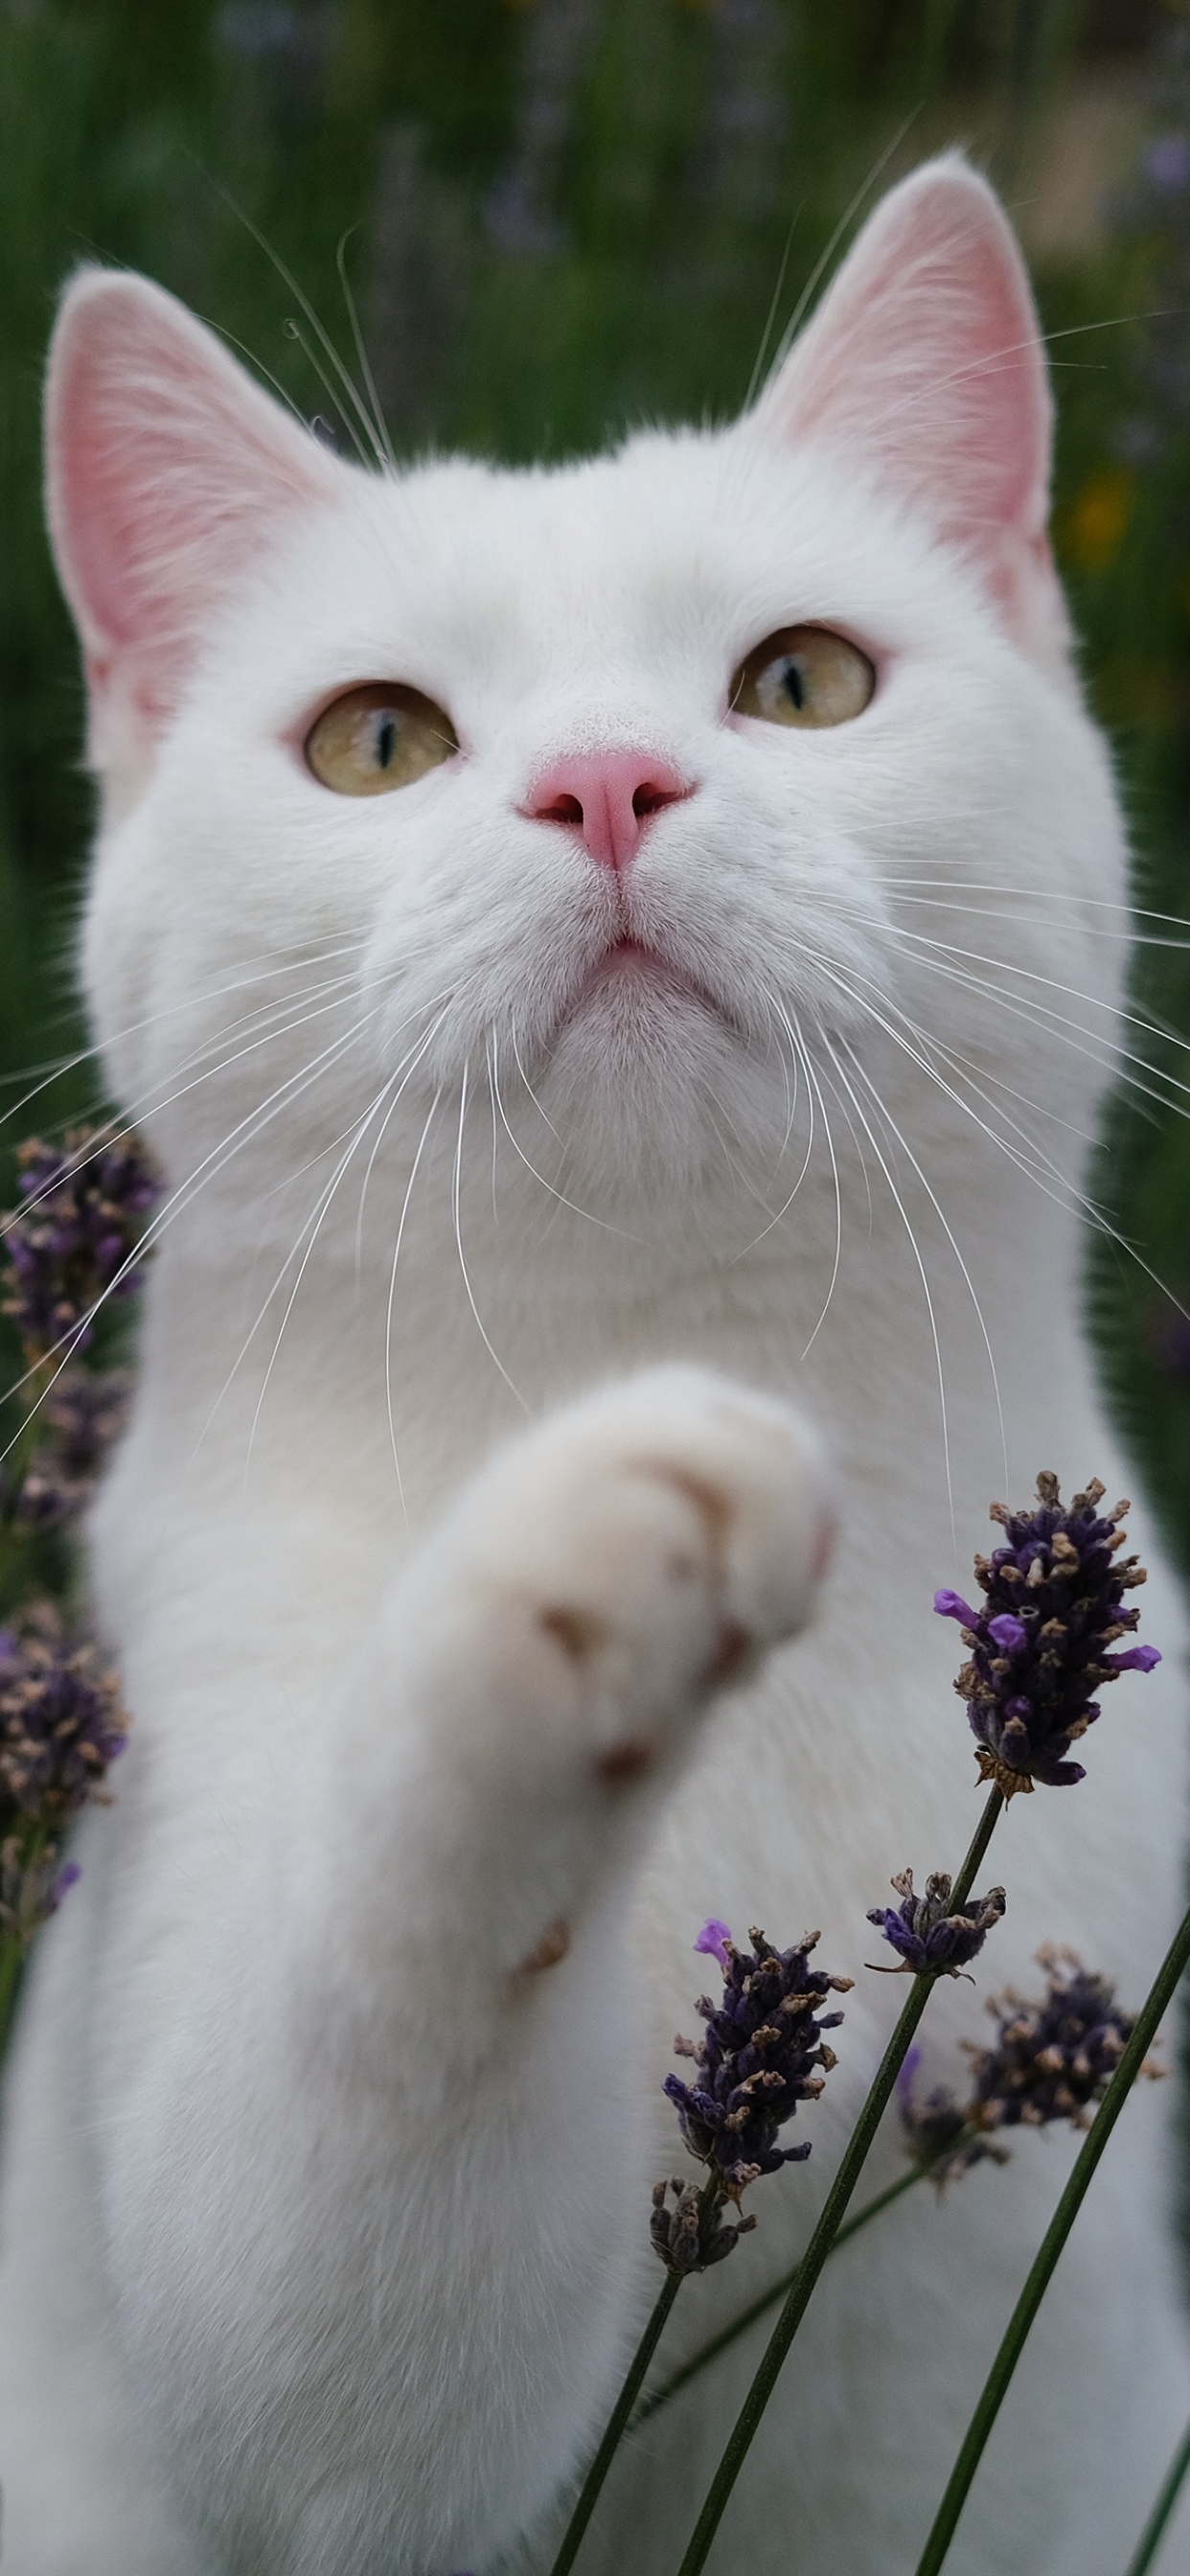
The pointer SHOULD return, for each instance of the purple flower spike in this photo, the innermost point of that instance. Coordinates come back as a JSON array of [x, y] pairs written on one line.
[[61, 1722], [1052, 2059], [1040, 1645], [715, 1939], [763, 2053], [84, 1414], [68, 1246], [933, 1942]]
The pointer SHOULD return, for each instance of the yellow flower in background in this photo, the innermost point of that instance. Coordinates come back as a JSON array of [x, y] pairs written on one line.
[[1088, 532]]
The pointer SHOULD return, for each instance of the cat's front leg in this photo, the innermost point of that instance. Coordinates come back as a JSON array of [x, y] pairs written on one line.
[[548, 1655], [463, 2160]]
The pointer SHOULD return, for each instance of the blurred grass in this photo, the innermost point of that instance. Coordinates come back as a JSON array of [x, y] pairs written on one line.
[[567, 215]]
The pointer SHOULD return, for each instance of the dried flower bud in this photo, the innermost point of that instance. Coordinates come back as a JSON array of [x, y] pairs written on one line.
[[933, 1942], [687, 2238]]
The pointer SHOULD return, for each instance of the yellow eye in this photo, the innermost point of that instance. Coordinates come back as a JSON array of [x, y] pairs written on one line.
[[376, 737], [803, 675]]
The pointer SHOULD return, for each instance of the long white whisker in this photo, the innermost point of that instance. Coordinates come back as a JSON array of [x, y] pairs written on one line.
[[314, 1226], [392, 1291], [883, 1110], [136, 1028], [457, 1204], [213, 1163], [787, 1203], [921, 1268], [413, 1059], [517, 1148], [148, 1106], [542, 1113], [812, 1078]]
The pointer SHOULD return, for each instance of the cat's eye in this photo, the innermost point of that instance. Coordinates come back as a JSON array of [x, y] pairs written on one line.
[[803, 675], [376, 737]]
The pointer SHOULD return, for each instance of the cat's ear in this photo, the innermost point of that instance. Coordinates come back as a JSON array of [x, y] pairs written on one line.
[[924, 365], [167, 468]]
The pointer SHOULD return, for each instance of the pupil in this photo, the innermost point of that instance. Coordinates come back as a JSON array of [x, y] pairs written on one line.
[[386, 739], [792, 682]]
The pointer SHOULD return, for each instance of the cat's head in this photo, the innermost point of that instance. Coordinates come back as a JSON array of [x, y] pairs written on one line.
[[641, 779]]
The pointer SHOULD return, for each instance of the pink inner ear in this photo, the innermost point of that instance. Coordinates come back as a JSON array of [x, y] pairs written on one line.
[[924, 363], [167, 469]]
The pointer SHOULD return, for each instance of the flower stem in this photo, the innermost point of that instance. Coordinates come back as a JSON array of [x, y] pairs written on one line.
[[831, 2219], [996, 2385], [730, 2334], [629, 2392], [12, 1960], [1158, 2522]]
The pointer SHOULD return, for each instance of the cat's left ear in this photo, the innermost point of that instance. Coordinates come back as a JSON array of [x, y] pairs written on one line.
[[923, 367]]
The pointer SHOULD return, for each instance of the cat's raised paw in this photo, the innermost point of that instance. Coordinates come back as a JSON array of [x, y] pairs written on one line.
[[639, 1551]]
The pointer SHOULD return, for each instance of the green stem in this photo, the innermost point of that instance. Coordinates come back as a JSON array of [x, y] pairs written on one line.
[[629, 2392], [709, 2352], [996, 2385], [1155, 2528], [831, 2219], [12, 1960]]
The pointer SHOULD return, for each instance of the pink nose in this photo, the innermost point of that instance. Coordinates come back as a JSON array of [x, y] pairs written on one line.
[[607, 797]]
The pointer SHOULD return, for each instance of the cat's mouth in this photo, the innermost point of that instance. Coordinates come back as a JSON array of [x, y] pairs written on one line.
[[631, 966]]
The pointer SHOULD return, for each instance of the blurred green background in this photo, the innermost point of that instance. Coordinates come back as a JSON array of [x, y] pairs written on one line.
[[562, 216]]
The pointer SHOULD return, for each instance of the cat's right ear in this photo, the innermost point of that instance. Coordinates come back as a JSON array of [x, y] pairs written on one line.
[[167, 469]]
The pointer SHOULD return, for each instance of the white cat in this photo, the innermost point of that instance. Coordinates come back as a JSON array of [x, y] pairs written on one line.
[[620, 993]]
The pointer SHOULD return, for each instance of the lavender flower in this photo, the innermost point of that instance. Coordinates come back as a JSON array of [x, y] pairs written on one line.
[[84, 1412], [61, 1722], [763, 2044], [932, 1941], [1040, 1647], [1051, 2059], [687, 2237], [936, 2132], [85, 1204]]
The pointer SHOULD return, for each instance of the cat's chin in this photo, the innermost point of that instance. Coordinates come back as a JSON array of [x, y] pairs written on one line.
[[642, 1078]]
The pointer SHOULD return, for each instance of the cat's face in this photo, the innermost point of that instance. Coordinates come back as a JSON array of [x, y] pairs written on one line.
[[637, 782]]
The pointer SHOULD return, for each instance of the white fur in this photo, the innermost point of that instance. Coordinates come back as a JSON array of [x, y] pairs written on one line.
[[325, 2228]]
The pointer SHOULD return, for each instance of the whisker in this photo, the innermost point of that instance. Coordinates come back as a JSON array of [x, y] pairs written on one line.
[[864, 1076], [417, 1054], [921, 1268], [1119, 1066], [542, 1113], [213, 1163], [517, 1148], [362, 358], [85, 1055], [392, 1290], [778, 1006], [323, 337], [314, 1225], [457, 1204]]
